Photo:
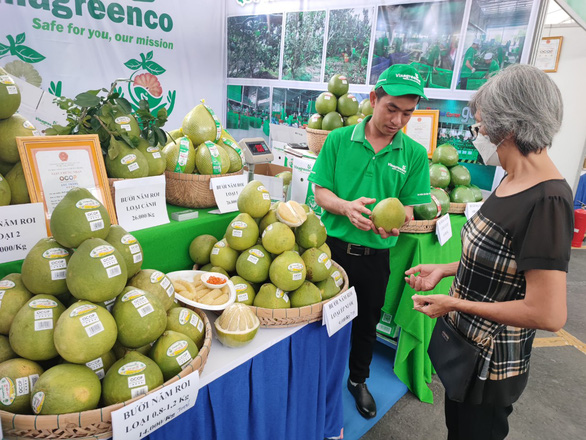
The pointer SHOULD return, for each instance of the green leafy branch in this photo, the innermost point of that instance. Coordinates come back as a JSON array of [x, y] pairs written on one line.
[[151, 126], [17, 48], [145, 63]]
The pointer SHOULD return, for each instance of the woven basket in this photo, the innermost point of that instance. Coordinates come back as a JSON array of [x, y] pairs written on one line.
[[191, 190], [94, 424], [419, 226], [298, 315], [457, 208], [316, 139]]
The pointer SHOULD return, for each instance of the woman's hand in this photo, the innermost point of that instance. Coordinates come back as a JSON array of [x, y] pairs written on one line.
[[428, 276], [433, 306]]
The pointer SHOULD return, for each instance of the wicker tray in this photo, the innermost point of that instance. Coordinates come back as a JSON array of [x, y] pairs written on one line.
[[94, 424], [457, 208], [191, 190], [316, 139], [299, 315], [419, 226]]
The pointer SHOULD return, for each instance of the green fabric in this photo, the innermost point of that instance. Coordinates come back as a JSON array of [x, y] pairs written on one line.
[[493, 68], [469, 56], [166, 247], [412, 364], [348, 166]]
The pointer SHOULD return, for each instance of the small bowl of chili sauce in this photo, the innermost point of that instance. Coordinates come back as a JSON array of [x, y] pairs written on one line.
[[214, 280]]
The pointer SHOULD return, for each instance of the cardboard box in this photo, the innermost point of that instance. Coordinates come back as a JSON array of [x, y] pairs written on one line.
[[387, 326], [265, 173]]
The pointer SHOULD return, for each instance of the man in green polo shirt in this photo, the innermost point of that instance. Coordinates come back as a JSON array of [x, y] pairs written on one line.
[[468, 63], [357, 167]]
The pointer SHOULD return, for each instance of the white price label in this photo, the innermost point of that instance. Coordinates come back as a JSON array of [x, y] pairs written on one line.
[[252, 259], [243, 297], [94, 329], [139, 391], [340, 311], [97, 225], [165, 282], [443, 229], [108, 261], [134, 248], [471, 209], [140, 301], [184, 358], [22, 386], [137, 258], [93, 216], [146, 310], [58, 274], [90, 319], [57, 264], [136, 381], [43, 324], [44, 314], [113, 271]]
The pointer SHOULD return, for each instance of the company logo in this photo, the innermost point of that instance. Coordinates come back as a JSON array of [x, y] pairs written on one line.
[[401, 170]]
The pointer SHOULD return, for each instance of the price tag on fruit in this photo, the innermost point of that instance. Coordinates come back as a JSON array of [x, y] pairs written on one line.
[[141, 203], [226, 191], [140, 418], [471, 209], [443, 229], [340, 311], [21, 227]]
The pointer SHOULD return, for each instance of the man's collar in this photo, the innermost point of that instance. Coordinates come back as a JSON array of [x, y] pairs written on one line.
[[359, 135]]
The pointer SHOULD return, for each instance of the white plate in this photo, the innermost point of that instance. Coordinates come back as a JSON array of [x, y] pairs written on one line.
[[187, 275]]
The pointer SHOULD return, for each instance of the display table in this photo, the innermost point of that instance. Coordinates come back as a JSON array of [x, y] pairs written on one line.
[[412, 364]]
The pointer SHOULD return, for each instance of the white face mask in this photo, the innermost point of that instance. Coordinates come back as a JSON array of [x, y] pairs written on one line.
[[487, 150]]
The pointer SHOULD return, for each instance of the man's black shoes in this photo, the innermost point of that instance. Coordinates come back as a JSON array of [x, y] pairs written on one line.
[[365, 403]]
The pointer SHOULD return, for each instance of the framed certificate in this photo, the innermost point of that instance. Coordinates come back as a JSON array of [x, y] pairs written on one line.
[[548, 54], [53, 165], [422, 128]]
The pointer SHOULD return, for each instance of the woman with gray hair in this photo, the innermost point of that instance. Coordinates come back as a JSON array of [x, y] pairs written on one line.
[[511, 278]]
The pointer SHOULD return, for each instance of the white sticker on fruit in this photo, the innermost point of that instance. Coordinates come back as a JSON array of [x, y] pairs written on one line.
[[7, 284], [128, 159], [257, 253], [153, 149], [128, 239], [129, 296], [94, 329], [100, 373], [93, 215], [110, 304], [199, 325], [108, 261], [122, 120], [96, 364], [33, 380], [134, 248], [57, 264], [139, 391], [51, 254], [90, 319], [22, 388], [133, 166], [42, 304], [136, 381], [140, 301], [328, 263], [87, 204], [194, 320], [177, 348], [220, 244], [137, 258], [279, 293], [297, 276], [239, 225], [337, 276], [43, 324], [327, 97], [7, 391], [165, 283], [266, 196], [57, 275], [12, 90], [170, 290], [215, 251], [240, 287], [97, 225], [184, 358], [113, 271], [131, 368], [145, 310], [242, 297], [37, 402], [184, 316], [101, 251], [44, 314], [156, 155], [236, 233], [156, 277], [28, 125], [252, 259], [82, 310]]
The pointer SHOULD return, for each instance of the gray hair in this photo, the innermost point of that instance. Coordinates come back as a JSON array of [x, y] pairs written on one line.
[[523, 101]]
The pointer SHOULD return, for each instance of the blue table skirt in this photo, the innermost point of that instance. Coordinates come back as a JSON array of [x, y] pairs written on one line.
[[293, 390]]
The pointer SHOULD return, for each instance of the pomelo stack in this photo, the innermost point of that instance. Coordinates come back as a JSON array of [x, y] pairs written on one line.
[[335, 108], [277, 258], [197, 151], [83, 325]]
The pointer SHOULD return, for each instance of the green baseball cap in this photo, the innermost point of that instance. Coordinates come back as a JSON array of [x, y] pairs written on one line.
[[401, 79]]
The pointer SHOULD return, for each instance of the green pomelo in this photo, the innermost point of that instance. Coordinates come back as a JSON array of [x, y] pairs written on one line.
[[317, 263], [365, 107], [347, 105], [329, 287], [312, 233], [445, 154], [254, 199], [270, 296], [9, 96], [180, 155], [269, 218], [338, 85], [218, 269], [78, 217], [253, 264], [234, 157], [388, 214], [157, 283], [129, 248], [10, 129], [443, 198], [206, 267], [120, 350], [237, 325], [44, 268], [17, 182], [325, 248], [123, 162], [462, 194], [5, 167], [13, 295], [187, 322], [459, 176], [477, 193], [332, 121], [288, 271], [140, 317], [17, 377], [225, 134], [439, 175], [31, 332], [173, 352], [305, 295], [211, 159], [242, 232], [352, 120], [5, 192], [315, 121], [201, 247], [245, 292], [125, 124], [278, 238], [96, 271], [199, 125], [133, 375], [325, 103], [108, 304], [427, 211], [154, 156], [174, 135], [222, 255], [66, 388], [102, 364], [6, 351], [84, 332]]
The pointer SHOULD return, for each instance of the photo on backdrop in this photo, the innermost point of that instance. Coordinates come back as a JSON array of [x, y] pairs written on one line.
[[304, 38], [248, 110], [495, 38], [348, 44], [254, 46], [423, 34]]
